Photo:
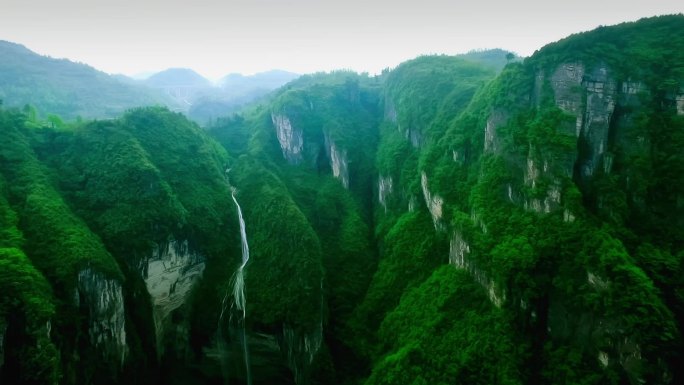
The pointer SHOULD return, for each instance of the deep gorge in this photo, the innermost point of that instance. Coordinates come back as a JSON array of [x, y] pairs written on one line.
[[446, 221]]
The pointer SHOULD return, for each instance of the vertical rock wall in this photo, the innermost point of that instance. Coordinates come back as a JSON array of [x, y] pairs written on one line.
[[290, 138], [170, 274], [107, 319]]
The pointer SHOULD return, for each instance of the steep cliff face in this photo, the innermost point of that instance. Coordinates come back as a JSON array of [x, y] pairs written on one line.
[[433, 201], [549, 146], [107, 319], [338, 161], [384, 190], [590, 97], [435, 224], [290, 138], [170, 275], [459, 256]]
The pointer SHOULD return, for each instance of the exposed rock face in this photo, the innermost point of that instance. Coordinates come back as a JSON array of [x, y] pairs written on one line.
[[412, 204], [338, 161], [601, 95], [566, 81], [633, 88], [680, 104], [531, 172], [433, 201], [291, 139], [107, 320], [495, 120], [551, 202], [169, 274], [459, 251], [572, 85], [568, 216], [384, 190]]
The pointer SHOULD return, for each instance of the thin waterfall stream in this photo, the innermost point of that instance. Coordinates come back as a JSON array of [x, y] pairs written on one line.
[[238, 308]]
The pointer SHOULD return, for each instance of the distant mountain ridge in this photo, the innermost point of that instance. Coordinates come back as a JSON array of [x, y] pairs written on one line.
[[269, 79], [66, 88], [178, 77], [71, 90]]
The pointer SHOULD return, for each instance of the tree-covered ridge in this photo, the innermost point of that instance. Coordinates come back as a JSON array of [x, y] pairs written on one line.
[[65, 88], [439, 223], [88, 204], [26, 295], [508, 183], [488, 177]]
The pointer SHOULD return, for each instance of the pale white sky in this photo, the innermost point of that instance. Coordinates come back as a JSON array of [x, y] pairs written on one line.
[[217, 37]]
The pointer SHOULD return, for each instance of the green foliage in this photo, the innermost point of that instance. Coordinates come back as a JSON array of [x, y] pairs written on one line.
[[284, 275], [640, 41], [560, 276], [58, 242], [426, 92], [143, 179], [409, 253], [65, 88], [446, 331], [26, 308]]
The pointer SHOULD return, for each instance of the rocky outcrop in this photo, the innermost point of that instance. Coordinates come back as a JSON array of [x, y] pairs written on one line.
[[566, 82], [589, 96], [290, 138], [433, 201], [549, 203], [384, 190], [170, 274], [600, 105], [459, 252], [495, 120], [103, 298], [679, 101], [338, 161]]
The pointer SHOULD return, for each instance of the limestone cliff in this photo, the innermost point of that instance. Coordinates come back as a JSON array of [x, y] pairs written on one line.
[[290, 138], [338, 161], [107, 320], [170, 274]]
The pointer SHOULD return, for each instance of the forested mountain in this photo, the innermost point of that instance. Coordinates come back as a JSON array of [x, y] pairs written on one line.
[[68, 90], [235, 91], [177, 77], [268, 80], [65, 88], [441, 223]]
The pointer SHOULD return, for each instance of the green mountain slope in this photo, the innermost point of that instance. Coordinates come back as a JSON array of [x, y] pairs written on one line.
[[65, 88], [440, 223]]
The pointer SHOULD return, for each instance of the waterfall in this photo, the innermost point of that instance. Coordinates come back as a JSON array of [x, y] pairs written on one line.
[[238, 308], [239, 286]]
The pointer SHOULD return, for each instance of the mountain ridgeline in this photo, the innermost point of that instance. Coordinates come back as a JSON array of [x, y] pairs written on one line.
[[61, 89], [447, 221]]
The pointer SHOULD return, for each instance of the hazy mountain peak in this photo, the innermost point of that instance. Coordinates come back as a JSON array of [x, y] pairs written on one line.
[[173, 77]]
